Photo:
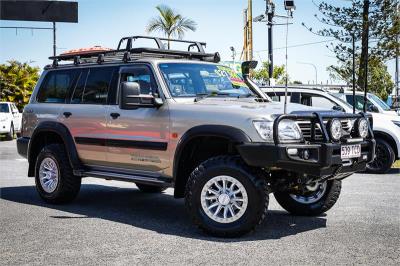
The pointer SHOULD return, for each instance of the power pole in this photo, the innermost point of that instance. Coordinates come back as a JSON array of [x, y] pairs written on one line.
[[250, 29], [396, 78], [247, 53], [270, 13], [54, 40], [364, 52]]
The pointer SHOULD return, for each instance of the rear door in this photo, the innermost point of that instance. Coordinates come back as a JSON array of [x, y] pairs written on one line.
[[85, 113], [138, 138]]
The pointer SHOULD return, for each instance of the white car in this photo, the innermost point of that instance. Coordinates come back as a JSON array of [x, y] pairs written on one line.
[[386, 125], [374, 103], [10, 119]]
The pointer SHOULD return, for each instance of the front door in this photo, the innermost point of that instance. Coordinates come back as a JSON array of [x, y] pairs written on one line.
[[138, 139]]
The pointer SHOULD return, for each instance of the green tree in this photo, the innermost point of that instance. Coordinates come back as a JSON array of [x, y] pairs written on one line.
[[170, 23], [17, 81], [347, 20], [379, 79], [263, 76]]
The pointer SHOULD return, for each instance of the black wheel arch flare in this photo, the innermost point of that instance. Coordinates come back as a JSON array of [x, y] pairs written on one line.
[[63, 132]]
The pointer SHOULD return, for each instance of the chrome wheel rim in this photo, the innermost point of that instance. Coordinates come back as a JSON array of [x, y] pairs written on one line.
[[314, 192], [48, 175], [224, 199]]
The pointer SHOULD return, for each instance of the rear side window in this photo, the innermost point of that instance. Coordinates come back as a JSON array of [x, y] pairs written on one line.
[[97, 85], [56, 86]]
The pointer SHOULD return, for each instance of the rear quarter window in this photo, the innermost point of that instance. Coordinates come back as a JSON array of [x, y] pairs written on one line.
[[56, 86]]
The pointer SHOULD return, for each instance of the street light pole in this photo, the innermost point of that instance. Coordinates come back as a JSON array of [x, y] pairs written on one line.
[[315, 69]]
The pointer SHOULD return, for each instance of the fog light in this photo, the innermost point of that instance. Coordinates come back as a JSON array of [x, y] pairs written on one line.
[[292, 151], [306, 155]]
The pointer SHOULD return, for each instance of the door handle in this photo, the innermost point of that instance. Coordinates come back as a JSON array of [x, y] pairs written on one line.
[[67, 114], [115, 115]]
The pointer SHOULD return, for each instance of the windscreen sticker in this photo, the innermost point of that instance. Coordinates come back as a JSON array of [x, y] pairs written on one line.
[[229, 73]]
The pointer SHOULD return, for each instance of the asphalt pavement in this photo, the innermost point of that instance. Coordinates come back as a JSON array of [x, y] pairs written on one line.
[[113, 223]]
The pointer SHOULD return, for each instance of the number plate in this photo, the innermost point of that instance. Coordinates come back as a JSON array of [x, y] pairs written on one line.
[[350, 151]]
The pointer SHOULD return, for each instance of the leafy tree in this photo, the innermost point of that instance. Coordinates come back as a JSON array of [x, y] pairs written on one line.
[[379, 79], [170, 23], [353, 20], [17, 81], [263, 76]]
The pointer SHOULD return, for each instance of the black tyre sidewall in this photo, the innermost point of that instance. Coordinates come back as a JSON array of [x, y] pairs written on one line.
[[251, 217], [322, 205], [62, 193], [389, 163]]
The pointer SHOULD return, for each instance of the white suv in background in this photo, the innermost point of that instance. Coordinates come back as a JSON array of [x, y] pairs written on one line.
[[10, 119], [374, 103], [386, 125]]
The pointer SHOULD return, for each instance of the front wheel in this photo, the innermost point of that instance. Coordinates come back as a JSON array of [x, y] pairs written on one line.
[[384, 158], [225, 197], [313, 199], [54, 177]]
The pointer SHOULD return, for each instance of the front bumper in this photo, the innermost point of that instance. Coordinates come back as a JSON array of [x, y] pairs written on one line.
[[324, 158]]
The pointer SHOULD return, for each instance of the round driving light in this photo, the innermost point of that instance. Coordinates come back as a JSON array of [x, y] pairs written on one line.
[[335, 129], [362, 127]]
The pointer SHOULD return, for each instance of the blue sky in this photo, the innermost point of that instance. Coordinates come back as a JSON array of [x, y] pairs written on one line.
[[220, 24]]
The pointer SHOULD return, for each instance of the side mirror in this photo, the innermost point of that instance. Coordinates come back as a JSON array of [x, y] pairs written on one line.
[[338, 108], [131, 98], [373, 108]]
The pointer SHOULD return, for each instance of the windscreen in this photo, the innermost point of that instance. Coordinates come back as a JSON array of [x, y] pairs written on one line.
[[191, 80], [380, 102]]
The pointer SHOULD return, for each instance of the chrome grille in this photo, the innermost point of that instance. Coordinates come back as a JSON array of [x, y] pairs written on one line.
[[305, 127]]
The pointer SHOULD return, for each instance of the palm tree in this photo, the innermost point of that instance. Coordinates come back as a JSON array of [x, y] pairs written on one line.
[[170, 23]]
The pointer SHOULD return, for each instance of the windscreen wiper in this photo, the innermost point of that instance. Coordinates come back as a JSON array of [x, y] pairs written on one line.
[[201, 96]]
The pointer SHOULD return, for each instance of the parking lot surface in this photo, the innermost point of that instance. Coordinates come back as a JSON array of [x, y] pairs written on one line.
[[113, 223]]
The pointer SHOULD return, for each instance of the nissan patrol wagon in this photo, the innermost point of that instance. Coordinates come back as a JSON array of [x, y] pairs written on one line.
[[168, 118]]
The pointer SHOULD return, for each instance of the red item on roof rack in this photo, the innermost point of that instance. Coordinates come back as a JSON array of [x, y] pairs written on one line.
[[82, 51]]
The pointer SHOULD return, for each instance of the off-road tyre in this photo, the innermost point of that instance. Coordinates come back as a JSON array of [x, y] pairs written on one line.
[[326, 202], [251, 179], [384, 158], [150, 189], [11, 133], [68, 184]]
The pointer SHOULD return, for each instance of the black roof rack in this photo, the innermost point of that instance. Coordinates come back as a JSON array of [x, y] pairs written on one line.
[[128, 53]]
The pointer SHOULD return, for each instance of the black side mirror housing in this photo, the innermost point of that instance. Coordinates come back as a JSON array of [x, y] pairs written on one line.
[[131, 98], [337, 108], [373, 108]]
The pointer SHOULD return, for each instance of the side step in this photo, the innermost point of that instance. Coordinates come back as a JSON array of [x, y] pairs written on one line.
[[128, 178]]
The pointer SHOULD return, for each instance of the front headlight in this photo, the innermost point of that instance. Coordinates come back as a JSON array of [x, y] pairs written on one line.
[[397, 123], [288, 131]]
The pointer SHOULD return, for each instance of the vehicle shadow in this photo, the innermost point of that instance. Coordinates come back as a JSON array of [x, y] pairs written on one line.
[[157, 212]]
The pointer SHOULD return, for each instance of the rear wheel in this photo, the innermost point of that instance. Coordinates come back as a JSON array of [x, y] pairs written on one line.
[[11, 133], [225, 197], [150, 188], [54, 178], [384, 158], [313, 199]]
